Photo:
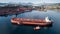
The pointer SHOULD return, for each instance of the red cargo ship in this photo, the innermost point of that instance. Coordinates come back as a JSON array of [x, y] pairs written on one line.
[[25, 21]]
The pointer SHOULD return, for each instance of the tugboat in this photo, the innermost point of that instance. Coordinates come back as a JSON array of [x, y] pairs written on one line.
[[25, 21]]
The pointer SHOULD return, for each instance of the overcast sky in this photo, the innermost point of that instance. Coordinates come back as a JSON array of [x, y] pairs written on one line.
[[33, 1]]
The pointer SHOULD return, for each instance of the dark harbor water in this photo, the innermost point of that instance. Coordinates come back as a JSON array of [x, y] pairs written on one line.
[[7, 28]]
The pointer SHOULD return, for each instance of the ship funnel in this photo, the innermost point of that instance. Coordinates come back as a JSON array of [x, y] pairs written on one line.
[[47, 19]]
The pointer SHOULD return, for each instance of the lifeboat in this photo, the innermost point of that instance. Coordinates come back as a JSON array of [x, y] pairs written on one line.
[[25, 21]]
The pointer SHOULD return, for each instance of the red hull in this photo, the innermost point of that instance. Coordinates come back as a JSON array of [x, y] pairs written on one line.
[[30, 21]]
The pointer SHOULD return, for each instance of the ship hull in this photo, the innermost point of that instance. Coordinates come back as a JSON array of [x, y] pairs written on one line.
[[25, 21]]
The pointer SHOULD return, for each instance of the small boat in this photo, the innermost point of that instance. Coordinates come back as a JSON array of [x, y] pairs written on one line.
[[37, 28], [25, 21]]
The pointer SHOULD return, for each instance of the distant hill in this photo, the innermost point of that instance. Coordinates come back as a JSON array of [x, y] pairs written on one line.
[[27, 4], [3, 4]]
